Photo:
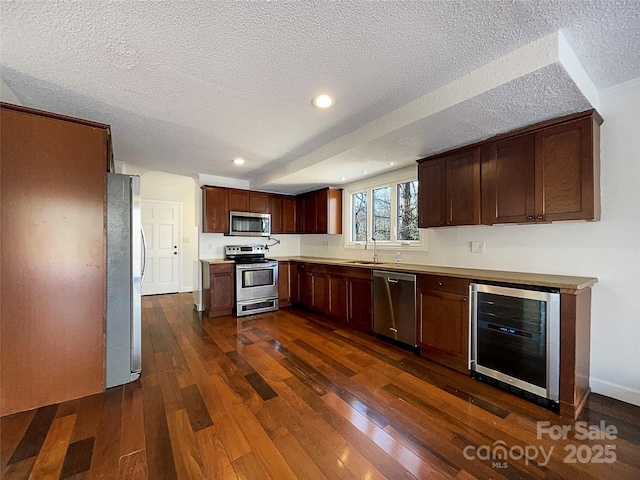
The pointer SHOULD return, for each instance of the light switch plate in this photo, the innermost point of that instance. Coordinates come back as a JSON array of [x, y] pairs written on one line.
[[477, 247]]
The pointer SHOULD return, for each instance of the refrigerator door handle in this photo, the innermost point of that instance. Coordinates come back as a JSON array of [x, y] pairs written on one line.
[[144, 255]]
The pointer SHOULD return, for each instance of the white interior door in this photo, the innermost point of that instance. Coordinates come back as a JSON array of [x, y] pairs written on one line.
[[161, 225]]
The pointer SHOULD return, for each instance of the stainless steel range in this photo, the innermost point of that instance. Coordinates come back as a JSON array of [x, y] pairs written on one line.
[[256, 279]]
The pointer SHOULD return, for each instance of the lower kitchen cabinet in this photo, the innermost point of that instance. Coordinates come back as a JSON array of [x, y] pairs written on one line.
[[287, 283], [218, 288], [321, 293], [443, 320], [360, 312], [338, 305]]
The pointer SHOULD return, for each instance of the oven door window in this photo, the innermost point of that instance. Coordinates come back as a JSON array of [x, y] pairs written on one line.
[[260, 277], [512, 336]]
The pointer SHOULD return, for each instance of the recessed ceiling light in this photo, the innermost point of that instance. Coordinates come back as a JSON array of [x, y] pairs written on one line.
[[238, 161], [364, 171], [392, 163], [343, 178], [322, 101]]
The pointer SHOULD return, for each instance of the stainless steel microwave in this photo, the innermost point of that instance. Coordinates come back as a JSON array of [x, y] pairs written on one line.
[[249, 224]]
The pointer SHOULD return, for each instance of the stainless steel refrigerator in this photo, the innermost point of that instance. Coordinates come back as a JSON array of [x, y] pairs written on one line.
[[125, 272]]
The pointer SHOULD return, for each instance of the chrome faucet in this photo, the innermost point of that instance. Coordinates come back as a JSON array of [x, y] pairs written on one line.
[[375, 254]]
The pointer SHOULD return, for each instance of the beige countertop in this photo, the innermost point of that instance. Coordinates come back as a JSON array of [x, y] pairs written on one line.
[[522, 278]]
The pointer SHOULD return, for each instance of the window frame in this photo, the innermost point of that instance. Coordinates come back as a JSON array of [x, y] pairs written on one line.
[[369, 185]]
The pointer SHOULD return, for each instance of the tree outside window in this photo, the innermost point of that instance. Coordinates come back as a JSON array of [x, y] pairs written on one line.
[[382, 213], [359, 217], [408, 211]]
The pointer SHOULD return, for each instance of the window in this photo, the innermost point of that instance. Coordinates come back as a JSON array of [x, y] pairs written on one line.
[[382, 213], [408, 211], [387, 212], [359, 217]]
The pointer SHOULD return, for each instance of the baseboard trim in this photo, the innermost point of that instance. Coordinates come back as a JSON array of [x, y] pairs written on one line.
[[615, 390]]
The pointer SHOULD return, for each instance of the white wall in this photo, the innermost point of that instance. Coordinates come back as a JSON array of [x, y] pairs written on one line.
[[609, 249], [175, 188], [7, 95]]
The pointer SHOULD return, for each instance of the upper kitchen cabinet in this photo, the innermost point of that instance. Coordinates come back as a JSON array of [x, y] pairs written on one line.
[[215, 214], [258, 202], [544, 173], [53, 187], [319, 211], [283, 213], [238, 200], [449, 189]]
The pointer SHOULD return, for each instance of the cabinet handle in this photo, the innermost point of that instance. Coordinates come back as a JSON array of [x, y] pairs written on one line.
[[540, 217], [530, 217], [440, 283], [464, 299], [441, 224]]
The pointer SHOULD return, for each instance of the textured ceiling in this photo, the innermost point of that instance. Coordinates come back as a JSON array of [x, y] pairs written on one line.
[[188, 86]]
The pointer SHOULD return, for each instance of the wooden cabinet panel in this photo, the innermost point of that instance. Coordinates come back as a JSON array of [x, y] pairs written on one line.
[[275, 209], [218, 288], [53, 186], [564, 174], [288, 214], [320, 211], [360, 313], [449, 190], [215, 214], [293, 282], [443, 328], [338, 298], [463, 188], [258, 202], [305, 282], [321, 293], [508, 170], [238, 200], [431, 194], [284, 284]]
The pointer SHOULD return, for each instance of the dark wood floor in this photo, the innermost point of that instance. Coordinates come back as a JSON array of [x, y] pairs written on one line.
[[289, 395]]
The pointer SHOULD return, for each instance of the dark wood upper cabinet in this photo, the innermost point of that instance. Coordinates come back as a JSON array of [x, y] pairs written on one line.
[[288, 214], [258, 202], [541, 173], [238, 200], [215, 214], [567, 170], [319, 211], [548, 174], [449, 190], [275, 209], [508, 181]]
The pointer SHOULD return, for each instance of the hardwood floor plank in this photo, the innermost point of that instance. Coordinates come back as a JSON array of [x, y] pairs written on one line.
[[106, 450], [34, 436], [215, 458], [231, 436], [18, 471], [261, 387], [185, 449], [247, 467], [88, 417], [52, 455], [265, 451], [78, 458], [196, 408], [13, 428], [160, 462], [132, 437], [134, 466], [339, 367]]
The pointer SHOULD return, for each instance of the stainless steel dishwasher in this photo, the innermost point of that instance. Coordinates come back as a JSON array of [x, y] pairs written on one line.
[[394, 306]]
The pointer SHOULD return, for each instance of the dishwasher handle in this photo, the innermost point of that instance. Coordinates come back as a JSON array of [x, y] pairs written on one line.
[[392, 280]]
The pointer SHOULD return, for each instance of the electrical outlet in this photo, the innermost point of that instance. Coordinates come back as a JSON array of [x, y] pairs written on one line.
[[477, 247]]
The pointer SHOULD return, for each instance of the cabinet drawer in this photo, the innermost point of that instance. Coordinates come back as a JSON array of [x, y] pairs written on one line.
[[444, 284], [221, 267], [313, 268]]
